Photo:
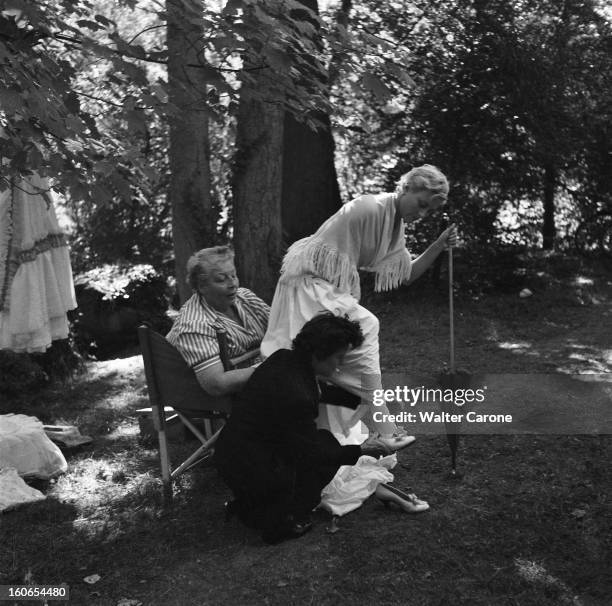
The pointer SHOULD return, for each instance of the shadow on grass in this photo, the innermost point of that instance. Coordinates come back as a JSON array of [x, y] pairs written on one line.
[[99, 401], [560, 328], [528, 524]]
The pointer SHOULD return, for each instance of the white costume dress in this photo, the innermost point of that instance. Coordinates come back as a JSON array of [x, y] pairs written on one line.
[[320, 273], [36, 287], [36, 291]]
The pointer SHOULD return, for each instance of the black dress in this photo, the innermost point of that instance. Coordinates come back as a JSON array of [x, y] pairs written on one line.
[[270, 452]]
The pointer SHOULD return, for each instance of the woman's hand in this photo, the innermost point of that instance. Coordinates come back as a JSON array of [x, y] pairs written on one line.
[[375, 447], [448, 238]]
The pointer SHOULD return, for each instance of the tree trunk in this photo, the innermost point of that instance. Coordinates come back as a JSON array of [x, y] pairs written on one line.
[[284, 179], [548, 225], [194, 219], [257, 194], [310, 191]]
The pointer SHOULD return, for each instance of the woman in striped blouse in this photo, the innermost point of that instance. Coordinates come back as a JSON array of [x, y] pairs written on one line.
[[218, 303]]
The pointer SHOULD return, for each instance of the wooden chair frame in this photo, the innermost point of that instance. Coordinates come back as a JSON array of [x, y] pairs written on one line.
[[174, 388]]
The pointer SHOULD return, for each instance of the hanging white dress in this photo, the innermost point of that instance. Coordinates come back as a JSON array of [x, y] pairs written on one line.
[[36, 286]]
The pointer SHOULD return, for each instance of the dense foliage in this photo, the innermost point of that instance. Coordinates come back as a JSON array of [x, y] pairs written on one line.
[[85, 102], [113, 301], [512, 99]]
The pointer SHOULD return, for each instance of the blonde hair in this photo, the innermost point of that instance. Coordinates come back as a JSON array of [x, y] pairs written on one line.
[[426, 177], [202, 262]]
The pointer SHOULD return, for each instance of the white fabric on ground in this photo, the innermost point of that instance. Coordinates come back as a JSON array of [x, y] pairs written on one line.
[[353, 484], [15, 492], [24, 446]]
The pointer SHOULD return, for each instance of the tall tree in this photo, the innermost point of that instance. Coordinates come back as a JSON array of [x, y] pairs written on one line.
[[92, 134], [194, 219], [497, 89], [310, 192], [257, 187], [278, 156]]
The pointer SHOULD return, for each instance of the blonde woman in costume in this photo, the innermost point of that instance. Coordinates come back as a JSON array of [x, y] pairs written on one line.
[[320, 273]]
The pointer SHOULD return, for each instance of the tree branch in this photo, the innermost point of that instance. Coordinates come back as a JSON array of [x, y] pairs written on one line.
[[146, 29], [71, 40]]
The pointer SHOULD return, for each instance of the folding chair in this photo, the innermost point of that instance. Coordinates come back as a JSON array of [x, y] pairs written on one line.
[[173, 387]]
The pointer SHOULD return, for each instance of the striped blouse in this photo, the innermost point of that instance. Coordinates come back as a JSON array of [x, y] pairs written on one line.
[[194, 333]]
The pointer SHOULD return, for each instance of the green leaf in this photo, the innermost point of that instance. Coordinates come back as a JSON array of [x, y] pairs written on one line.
[[278, 59], [137, 51], [121, 186], [115, 80], [35, 159], [104, 167], [71, 101], [56, 163], [75, 125], [135, 72], [263, 17], [100, 194], [104, 20], [10, 101], [233, 6], [209, 72], [401, 74], [136, 121], [150, 173], [160, 92], [375, 85], [92, 25]]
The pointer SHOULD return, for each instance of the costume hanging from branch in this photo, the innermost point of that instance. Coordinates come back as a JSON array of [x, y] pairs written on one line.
[[36, 287]]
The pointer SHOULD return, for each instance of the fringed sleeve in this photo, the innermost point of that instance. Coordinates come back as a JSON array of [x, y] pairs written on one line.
[[392, 271], [312, 256]]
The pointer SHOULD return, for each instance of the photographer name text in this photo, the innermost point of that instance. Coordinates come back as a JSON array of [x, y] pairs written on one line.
[[427, 416]]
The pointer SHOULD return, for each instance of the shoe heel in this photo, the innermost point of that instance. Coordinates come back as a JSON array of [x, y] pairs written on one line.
[[398, 492]]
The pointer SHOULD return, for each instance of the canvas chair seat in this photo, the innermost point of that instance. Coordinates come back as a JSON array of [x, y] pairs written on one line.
[[172, 384]]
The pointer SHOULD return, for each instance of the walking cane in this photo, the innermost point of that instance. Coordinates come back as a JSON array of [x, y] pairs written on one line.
[[453, 438], [451, 380]]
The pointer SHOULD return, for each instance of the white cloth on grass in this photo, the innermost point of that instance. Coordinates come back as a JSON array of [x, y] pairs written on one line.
[[25, 446], [15, 492]]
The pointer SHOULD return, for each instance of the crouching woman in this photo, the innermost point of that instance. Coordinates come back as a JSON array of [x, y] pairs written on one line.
[[270, 453]]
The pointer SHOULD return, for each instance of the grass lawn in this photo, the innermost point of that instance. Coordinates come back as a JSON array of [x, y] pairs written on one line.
[[530, 523]]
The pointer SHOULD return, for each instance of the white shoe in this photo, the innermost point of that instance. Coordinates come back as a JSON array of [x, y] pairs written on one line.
[[410, 502], [396, 443]]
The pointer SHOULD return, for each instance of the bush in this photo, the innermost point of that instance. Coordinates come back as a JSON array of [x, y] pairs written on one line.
[[61, 360], [113, 301], [20, 374]]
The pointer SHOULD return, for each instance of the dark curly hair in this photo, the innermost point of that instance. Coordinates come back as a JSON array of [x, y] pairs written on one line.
[[326, 334]]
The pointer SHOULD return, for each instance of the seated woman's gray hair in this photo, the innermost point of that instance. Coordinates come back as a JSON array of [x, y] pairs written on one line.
[[201, 263]]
